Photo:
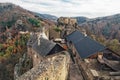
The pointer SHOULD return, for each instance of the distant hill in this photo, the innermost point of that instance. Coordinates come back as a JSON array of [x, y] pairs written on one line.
[[108, 26], [14, 16], [47, 16], [10, 14], [81, 19]]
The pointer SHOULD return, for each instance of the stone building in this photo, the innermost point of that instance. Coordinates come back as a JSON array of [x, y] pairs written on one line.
[[40, 48], [48, 59]]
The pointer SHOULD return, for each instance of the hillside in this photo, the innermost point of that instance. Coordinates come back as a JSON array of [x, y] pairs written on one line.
[[15, 16], [81, 19], [14, 19], [108, 26], [47, 16], [11, 15]]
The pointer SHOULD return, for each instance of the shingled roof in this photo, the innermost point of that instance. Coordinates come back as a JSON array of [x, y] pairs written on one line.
[[46, 47], [75, 36], [87, 47]]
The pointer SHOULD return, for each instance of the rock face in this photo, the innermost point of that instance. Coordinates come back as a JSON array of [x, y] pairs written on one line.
[[67, 25], [67, 21], [25, 64], [53, 68]]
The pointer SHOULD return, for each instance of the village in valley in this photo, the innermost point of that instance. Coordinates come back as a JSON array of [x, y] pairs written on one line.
[[67, 53]]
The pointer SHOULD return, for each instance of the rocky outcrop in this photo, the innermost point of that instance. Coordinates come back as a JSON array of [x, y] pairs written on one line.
[[25, 64], [67, 25], [53, 68], [67, 21]]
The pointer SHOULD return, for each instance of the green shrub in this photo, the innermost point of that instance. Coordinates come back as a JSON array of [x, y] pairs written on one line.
[[57, 29], [34, 22], [9, 24], [1, 46], [2, 53]]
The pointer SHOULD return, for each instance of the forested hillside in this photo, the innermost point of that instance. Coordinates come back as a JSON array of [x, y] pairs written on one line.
[[13, 44]]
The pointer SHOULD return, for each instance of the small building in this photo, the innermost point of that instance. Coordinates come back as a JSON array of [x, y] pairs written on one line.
[[40, 48]]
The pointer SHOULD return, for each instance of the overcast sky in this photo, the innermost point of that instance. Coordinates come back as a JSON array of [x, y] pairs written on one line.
[[87, 8]]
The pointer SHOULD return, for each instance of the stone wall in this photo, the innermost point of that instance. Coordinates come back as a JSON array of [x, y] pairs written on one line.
[[34, 56], [54, 68]]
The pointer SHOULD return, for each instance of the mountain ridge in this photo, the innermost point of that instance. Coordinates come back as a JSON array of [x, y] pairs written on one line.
[[47, 16], [108, 26]]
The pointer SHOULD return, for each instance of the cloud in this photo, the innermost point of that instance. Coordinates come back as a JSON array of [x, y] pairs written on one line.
[[88, 8]]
